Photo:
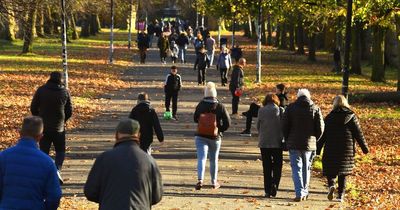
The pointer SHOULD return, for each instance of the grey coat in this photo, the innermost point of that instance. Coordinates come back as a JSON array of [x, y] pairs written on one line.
[[269, 126]]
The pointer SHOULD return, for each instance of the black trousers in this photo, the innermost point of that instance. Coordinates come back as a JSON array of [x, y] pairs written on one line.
[[224, 73], [174, 97], [341, 182], [272, 159], [201, 76], [143, 54], [58, 140], [235, 102], [252, 112]]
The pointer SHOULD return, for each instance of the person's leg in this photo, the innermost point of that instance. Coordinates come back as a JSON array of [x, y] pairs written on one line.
[[297, 175], [181, 54], [249, 120], [308, 157], [225, 75], [253, 110], [174, 104], [204, 75], [214, 146], [199, 79], [331, 186], [267, 169], [235, 103], [341, 184], [167, 101], [59, 146], [45, 142], [221, 72], [202, 150], [277, 156], [212, 58], [184, 55], [144, 55]]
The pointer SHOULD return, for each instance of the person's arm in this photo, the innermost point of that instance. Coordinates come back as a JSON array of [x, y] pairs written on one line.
[[157, 185], [35, 104], [1, 175], [358, 134], [226, 119], [319, 124], [166, 83], [258, 124], [207, 62], [321, 141], [196, 114], [157, 127], [286, 123], [53, 189], [93, 183], [179, 82], [68, 107]]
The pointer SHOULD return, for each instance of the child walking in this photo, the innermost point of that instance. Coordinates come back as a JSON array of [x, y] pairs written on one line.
[[174, 51], [172, 86]]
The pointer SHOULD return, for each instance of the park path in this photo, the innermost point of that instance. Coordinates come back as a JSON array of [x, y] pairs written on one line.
[[240, 168]]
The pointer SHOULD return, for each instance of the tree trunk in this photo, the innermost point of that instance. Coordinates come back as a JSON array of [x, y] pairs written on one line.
[[48, 21], [56, 22], [248, 29], [356, 49], [300, 36], [291, 37], [283, 44], [378, 60], [263, 32], [98, 23], [397, 17], [40, 22], [8, 33], [390, 48], [29, 27], [277, 35], [269, 29], [72, 25], [93, 25], [366, 44], [312, 48], [85, 31]]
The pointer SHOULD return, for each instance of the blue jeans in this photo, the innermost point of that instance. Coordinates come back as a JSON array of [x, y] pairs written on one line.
[[301, 161], [182, 54], [210, 54], [212, 147]]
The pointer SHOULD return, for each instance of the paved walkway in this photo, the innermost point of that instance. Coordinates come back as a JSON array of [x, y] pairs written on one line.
[[240, 166]]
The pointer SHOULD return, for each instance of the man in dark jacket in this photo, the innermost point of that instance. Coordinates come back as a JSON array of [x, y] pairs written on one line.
[[172, 86], [148, 120], [182, 42], [303, 125], [202, 62], [28, 177], [237, 83], [143, 44], [52, 102], [124, 177]]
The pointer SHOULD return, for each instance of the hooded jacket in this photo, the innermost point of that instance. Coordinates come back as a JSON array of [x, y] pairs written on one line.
[[52, 103], [342, 131], [303, 125], [236, 78], [148, 120], [202, 61], [173, 83]]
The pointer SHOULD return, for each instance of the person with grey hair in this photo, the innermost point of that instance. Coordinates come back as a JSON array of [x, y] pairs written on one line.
[[302, 126], [125, 177], [28, 177], [342, 131]]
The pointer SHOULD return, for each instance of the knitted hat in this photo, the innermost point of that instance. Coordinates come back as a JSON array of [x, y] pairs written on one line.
[[304, 92], [210, 90], [128, 126]]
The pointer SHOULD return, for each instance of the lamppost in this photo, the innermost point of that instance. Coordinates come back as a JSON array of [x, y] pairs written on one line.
[[130, 25], [111, 53], [64, 43], [345, 83], [259, 44]]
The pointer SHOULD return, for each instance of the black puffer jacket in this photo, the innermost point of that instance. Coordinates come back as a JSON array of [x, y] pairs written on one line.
[[303, 125], [209, 103], [202, 61], [148, 120], [52, 103], [124, 178], [342, 130]]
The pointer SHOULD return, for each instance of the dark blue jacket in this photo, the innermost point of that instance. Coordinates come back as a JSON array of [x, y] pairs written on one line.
[[28, 178]]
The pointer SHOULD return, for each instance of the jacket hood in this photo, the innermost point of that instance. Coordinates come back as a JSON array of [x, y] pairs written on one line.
[[304, 101], [210, 100], [50, 84], [343, 114]]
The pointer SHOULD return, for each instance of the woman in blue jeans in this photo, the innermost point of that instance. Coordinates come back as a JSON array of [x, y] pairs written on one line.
[[212, 119]]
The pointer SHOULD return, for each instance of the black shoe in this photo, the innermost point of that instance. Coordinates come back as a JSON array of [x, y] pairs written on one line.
[[267, 195], [199, 185], [244, 114], [245, 133], [273, 190], [298, 199], [331, 192]]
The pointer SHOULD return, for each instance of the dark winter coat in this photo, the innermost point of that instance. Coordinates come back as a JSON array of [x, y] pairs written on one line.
[[283, 100], [52, 103], [143, 41], [202, 61], [342, 131], [303, 125], [182, 41], [222, 115], [236, 78], [173, 83], [124, 178], [236, 53], [163, 45], [28, 178], [148, 120]]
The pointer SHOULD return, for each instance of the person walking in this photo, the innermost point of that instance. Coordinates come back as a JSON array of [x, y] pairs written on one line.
[[271, 143], [202, 62], [143, 44], [236, 84], [236, 53], [149, 122], [342, 131], [163, 46], [52, 102], [302, 126], [172, 86], [125, 177], [224, 63], [183, 42], [198, 43], [174, 51], [254, 107], [28, 178], [210, 47], [151, 29], [212, 120]]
